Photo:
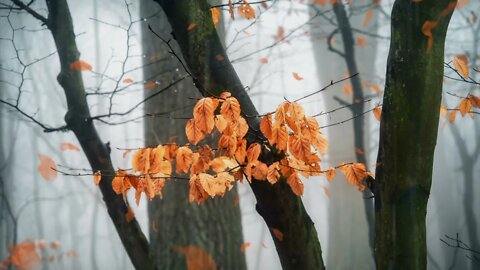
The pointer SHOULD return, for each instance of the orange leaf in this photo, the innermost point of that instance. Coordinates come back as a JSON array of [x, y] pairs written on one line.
[[203, 114], [121, 182], [194, 134], [295, 183], [330, 174], [347, 89], [149, 85], [327, 192], [244, 246], [80, 65], [266, 126], [320, 2], [215, 16], [475, 101], [443, 110], [219, 58], [273, 173], [230, 109], [253, 152], [184, 159], [427, 31], [362, 42], [69, 146], [197, 258], [377, 112], [452, 116], [47, 168], [129, 215], [197, 193], [355, 173], [216, 186], [127, 80], [191, 26], [368, 17], [279, 137], [241, 151], [263, 60], [297, 76], [460, 62], [465, 106], [97, 177], [278, 234], [24, 255], [246, 11]]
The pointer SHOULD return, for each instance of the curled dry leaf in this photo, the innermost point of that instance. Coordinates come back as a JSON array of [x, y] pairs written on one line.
[[297, 76], [215, 16], [246, 11], [377, 112], [244, 246]]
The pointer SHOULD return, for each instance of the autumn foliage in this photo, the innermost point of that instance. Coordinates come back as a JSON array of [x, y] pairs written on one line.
[[289, 135]]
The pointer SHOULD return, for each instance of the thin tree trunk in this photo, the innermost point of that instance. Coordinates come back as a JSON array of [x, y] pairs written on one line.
[[214, 225], [408, 133], [280, 208], [78, 120]]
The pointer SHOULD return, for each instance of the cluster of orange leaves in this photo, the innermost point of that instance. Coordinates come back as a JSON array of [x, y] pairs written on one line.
[[26, 254], [289, 134], [464, 107]]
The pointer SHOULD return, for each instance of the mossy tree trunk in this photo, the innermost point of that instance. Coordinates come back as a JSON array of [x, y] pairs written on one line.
[[408, 132], [280, 208], [215, 225]]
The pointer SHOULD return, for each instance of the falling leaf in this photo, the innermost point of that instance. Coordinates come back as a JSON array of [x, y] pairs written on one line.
[[129, 215], [320, 2], [377, 112], [361, 42], [347, 89], [47, 167], [263, 60], [297, 76], [127, 80], [452, 116], [280, 34], [246, 11], [219, 58], [215, 16], [368, 17], [97, 177], [191, 26], [55, 245], [149, 85], [69, 146], [427, 31], [460, 62], [244, 246], [24, 255], [327, 192], [80, 65], [278, 234], [197, 258]]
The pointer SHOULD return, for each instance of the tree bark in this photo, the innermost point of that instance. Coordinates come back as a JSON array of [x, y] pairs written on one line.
[[215, 225], [60, 24], [408, 133], [280, 208]]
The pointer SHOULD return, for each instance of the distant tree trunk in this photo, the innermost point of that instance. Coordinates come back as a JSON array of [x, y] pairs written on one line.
[[214, 225], [280, 208], [408, 132], [351, 141]]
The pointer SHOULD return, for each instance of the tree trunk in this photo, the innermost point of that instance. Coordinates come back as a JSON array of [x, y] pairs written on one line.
[[408, 133], [280, 208], [215, 225], [350, 139], [78, 120]]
